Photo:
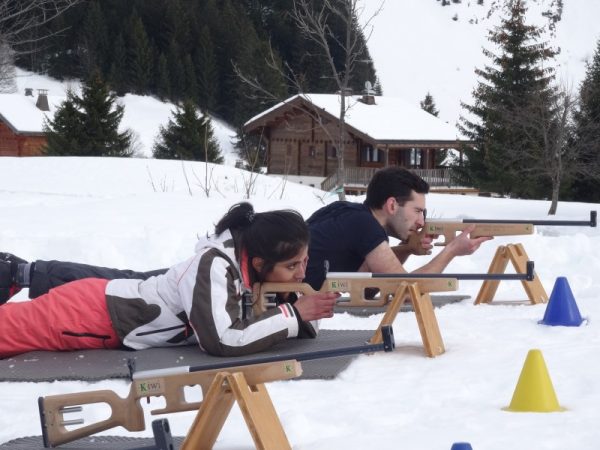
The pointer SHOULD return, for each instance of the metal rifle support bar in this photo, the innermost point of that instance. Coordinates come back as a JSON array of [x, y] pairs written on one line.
[[528, 275], [569, 223], [387, 345]]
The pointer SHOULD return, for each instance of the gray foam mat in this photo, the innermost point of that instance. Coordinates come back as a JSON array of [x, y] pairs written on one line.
[[92, 365], [437, 301], [91, 442]]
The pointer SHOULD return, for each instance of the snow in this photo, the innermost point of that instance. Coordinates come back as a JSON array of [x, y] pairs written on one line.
[[144, 115], [417, 47], [139, 214], [389, 119], [145, 214]]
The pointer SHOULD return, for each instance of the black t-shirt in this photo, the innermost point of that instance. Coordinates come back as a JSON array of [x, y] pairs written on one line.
[[342, 233]]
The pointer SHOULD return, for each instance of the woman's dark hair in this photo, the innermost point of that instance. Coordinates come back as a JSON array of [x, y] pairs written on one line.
[[274, 236], [393, 182]]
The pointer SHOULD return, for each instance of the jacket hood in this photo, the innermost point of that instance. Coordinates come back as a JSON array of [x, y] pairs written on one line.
[[224, 242]]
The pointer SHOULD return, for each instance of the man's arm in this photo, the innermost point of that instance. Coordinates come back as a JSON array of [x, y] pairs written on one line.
[[461, 246], [383, 259]]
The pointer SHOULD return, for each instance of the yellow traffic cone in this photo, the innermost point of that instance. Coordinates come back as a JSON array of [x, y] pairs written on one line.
[[534, 391]]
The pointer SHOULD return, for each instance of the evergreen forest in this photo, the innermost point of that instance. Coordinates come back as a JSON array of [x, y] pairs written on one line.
[[186, 50]]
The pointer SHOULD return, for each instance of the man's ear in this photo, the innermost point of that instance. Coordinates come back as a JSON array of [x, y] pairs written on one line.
[[390, 205], [258, 264]]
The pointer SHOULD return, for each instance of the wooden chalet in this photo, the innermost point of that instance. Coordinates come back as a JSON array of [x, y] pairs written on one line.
[[301, 135], [22, 124]]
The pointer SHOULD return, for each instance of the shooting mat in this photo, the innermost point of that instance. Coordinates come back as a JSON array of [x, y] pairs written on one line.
[[93, 365], [91, 442]]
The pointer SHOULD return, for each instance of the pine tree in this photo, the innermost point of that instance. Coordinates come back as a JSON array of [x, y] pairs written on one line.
[[191, 84], [587, 132], [206, 68], [188, 136], [163, 88], [88, 125], [64, 131], [505, 152], [176, 72], [428, 104], [139, 57], [95, 40], [118, 69]]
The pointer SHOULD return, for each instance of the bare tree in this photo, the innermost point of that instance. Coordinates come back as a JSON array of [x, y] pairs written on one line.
[[314, 23], [20, 21], [548, 152], [314, 19]]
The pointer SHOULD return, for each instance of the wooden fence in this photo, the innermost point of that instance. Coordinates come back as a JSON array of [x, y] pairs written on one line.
[[359, 177]]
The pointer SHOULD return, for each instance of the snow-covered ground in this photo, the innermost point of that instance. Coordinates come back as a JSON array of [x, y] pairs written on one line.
[[139, 214]]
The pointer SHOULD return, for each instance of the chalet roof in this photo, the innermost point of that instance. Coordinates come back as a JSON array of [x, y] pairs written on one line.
[[390, 120], [21, 115]]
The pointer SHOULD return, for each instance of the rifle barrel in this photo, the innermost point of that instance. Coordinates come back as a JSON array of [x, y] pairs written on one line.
[[528, 275], [569, 223], [387, 345]]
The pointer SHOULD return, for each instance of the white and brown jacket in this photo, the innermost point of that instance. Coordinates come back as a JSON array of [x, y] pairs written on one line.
[[197, 301]]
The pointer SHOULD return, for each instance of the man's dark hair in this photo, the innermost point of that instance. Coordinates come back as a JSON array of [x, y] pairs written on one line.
[[393, 182]]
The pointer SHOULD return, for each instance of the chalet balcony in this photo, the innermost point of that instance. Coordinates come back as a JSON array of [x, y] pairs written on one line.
[[357, 179]]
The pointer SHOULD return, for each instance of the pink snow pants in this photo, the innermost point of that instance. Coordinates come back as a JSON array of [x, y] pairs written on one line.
[[73, 316]]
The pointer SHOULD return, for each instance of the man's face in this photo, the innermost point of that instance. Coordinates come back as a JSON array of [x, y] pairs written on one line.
[[407, 218]]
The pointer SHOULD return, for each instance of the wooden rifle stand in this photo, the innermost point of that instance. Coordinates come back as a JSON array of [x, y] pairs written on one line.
[[517, 255], [255, 404], [428, 325]]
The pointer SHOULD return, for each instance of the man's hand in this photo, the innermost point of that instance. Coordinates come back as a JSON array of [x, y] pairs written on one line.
[[420, 243], [316, 306], [463, 244]]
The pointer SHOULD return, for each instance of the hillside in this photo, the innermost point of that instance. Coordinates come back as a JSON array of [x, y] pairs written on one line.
[[418, 47], [143, 114]]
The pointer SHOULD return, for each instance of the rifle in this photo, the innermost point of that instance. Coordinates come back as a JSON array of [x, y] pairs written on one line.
[[486, 227], [359, 284], [170, 383]]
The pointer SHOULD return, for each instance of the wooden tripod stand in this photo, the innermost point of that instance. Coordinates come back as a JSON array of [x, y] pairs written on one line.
[[428, 325], [255, 404], [515, 253]]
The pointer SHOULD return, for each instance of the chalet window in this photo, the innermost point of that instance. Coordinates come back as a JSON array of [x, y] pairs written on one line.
[[331, 152], [415, 157], [312, 151], [370, 154]]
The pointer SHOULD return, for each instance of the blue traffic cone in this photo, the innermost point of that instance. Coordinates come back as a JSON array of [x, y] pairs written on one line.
[[562, 309], [461, 446]]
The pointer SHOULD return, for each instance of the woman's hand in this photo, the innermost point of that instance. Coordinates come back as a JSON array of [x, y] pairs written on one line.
[[316, 306]]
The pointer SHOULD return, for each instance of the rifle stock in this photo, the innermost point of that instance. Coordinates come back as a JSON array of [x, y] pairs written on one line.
[[486, 227], [128, 412], [356, 284], [449, 229]]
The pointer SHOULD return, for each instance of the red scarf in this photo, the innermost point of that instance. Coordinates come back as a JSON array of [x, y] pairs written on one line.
[[244, 268]]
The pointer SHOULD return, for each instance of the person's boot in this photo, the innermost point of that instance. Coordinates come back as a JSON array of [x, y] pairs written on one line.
[[9, 265]]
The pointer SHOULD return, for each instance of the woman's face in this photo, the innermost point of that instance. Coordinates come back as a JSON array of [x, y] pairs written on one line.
[[291, 270]]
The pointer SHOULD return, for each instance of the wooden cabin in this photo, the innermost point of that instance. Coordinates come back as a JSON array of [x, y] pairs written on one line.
[[22, 124], [302, 137]]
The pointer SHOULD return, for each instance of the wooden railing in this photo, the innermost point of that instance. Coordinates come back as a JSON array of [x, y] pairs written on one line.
[[360, 177]]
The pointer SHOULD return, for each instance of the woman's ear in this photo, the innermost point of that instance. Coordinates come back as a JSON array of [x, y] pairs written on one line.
[[258, 264]]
